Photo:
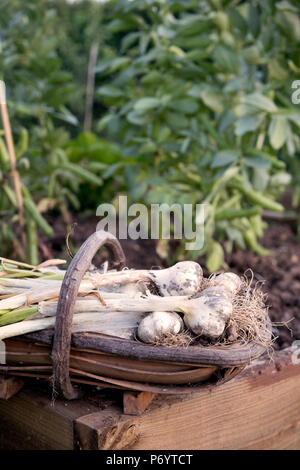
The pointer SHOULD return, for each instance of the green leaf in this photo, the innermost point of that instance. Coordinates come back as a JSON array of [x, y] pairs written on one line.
[[226, 60], [215, 257], [111, 170], [110, 91], [226, 120], [137, 119], [82, 173], [65, 115], [289, 23], [277, 70], [147, 147], [97, 166], [104, 122], [166, 32], [146, 104], [295, 118], [285, 5], [252, 55], [278, 131], [212, 99], [261, 178], [22, 144], [185, 106], [194, 26], [195, 91], [152, 78], [222, 20], [257, 162], [33, 211], [121, 24], [4, 155], [260, 101], [236, 236], [129, 40], [112, 65], [176, 120], [276, 163], [237, 21], [163, 134], [281, 179], [253, 18], [224, 157], [138, 190], [248, 123]]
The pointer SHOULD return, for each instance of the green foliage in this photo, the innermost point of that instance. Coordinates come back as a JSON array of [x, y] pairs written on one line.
[[9, 208], [201, 100], [37, 87], [197, 95], [97, 157], [39, 91], [78, 24]]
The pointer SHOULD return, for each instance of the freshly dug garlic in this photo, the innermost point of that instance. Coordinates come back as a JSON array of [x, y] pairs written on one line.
[[230, 281], [207, 313], [156, 325], [184, 278]]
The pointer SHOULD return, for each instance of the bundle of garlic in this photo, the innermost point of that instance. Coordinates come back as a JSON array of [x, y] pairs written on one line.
[[29, 295], [152, 305]]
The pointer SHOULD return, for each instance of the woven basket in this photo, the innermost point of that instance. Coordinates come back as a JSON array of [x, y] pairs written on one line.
[[98, 359]]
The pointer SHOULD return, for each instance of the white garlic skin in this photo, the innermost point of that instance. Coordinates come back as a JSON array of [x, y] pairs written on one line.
[[230, 281], [184, 278], [208, 313], [156, 325]]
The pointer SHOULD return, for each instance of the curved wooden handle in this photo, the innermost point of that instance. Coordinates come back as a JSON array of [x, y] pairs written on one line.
[[66, 302]]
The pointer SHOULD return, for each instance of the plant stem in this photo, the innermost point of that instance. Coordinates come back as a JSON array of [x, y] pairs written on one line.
[[15, 316], [14, 172], [29, 326], [90, 86]]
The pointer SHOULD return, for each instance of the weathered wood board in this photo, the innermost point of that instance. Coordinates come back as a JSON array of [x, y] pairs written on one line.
[[9, 386], [259, 409]]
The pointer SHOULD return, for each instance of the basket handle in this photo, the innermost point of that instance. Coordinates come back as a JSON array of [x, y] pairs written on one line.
[[66, 303]]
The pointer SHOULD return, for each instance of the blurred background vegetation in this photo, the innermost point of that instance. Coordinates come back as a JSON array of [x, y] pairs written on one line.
[[166, 101]]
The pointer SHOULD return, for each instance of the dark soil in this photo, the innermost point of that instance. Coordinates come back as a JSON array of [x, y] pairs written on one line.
[[280, 271]]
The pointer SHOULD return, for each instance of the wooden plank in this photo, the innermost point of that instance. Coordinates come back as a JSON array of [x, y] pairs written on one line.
[[105, 430], [258, 409], [9, 386], [135, 403], [34, 419]]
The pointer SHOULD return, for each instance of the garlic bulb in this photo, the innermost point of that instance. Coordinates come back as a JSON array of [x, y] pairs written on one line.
[[208, 312], [156, 325], [184, 278], [230, 281]]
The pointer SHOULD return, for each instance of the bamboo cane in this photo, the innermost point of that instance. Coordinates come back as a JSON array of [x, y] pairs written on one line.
[[13, 164]]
